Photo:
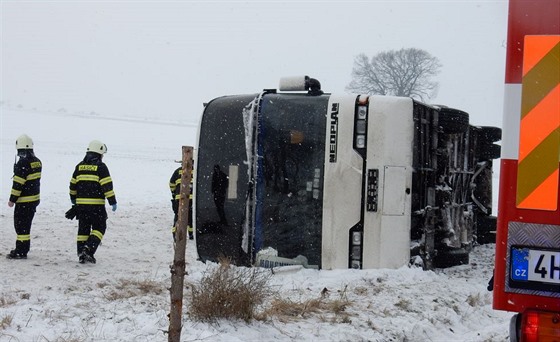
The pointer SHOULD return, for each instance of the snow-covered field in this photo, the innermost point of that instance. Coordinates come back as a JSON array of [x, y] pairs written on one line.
[[124, 297]]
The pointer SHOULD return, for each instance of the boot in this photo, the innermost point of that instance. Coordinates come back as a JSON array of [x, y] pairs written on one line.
[[86, 256], [16, 255]]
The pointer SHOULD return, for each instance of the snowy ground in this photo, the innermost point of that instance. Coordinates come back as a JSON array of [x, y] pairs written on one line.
[[124, 297]]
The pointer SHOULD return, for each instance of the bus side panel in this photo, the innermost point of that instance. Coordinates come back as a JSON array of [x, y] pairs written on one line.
[[342, 183], [389, 150]]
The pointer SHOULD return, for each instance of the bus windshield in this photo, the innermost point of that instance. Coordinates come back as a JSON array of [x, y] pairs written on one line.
[[289, 203]]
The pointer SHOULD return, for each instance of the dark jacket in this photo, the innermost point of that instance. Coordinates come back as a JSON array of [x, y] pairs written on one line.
[[91, 182], [175, 187], [175, 184], [27, 178]]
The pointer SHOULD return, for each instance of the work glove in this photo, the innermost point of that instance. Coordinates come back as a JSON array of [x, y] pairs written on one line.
[[490, 286], [114, 206], [71, 214]]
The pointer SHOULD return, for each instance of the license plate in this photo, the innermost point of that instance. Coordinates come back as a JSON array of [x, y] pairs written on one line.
[[534, 268]]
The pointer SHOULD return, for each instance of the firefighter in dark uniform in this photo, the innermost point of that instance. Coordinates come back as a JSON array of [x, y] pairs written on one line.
[[90, 185], [24, 195], [175, 187]]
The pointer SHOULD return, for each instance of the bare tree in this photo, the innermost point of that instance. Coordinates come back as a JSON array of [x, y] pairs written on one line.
[[406, 72]]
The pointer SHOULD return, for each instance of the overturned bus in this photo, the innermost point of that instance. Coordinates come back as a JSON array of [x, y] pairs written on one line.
[[297, 176]]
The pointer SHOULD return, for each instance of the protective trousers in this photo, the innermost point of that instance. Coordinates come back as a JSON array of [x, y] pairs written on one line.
[[92, 223], [190, 229], [23, 217]]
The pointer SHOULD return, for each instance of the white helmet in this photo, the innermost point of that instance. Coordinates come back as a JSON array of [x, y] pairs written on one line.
[[24, 142], [97, 147]]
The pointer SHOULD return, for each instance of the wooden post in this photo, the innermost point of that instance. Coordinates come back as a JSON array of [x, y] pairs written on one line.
[[178, 267]]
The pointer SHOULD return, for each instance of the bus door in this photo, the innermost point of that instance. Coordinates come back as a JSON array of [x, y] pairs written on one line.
[[390, 138]]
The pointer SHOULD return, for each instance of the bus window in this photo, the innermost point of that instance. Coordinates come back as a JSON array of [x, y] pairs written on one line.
[[291, 144], [222, 182]]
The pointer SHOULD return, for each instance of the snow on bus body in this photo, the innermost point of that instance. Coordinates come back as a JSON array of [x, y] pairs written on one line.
[[335, 181]]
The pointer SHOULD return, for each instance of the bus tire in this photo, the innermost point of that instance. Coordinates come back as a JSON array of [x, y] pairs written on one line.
[[489, 134], [485, 229], [489, 151], [453, 121], [451, 257]]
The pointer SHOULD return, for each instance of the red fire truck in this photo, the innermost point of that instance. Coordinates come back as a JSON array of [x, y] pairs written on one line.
[[527, 274]]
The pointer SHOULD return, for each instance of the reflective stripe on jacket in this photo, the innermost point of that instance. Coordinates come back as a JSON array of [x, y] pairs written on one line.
[[91, 183], [26, 187]]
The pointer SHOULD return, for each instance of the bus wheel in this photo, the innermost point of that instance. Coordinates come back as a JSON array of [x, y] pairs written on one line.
[[453, 121], [451, 257], [489, 134], [489, 152], [485, 229]]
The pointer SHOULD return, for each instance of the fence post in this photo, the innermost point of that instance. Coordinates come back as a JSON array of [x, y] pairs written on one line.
[[178, 266]]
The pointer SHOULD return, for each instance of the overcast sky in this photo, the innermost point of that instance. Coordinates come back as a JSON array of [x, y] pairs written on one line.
[[165, 58]]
